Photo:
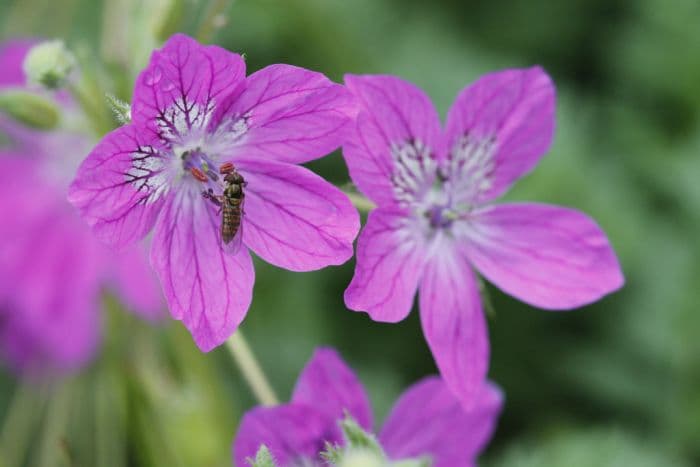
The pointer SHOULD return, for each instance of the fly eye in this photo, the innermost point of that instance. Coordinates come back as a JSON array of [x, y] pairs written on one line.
[[226, 168]]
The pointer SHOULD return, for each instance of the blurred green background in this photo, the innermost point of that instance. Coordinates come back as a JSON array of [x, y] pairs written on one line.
[[614, 384]]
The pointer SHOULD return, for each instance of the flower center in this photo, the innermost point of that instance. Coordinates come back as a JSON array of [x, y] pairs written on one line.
[[441, 217], [199, 164]]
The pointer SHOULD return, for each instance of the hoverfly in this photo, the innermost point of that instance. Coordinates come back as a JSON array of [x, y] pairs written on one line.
[[230, 204]]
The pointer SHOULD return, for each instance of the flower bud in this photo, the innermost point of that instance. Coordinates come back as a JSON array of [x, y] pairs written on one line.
[[30, 109], [362, 458], [49, 64]]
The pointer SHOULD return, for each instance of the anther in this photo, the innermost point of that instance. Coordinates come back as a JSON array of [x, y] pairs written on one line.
[[213, 175], [196, 173]]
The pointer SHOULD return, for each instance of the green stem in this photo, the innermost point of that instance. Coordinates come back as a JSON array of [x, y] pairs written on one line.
[[20, 422], [51, 449], [253, 374], [360, 202]]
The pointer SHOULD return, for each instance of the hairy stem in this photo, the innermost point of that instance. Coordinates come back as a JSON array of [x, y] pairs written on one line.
[[250, 369]]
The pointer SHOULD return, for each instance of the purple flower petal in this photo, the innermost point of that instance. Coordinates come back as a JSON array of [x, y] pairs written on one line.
[[136, 283], [41, 311], [428, 420], [291, 115], [454, 324], [293, 433], [295, 219], [548, 256], [209, 290], [12, 55], [331, 387], [500, 126], [389, 266], [120, 187], [182, 85], [393, 113], [34, 344]]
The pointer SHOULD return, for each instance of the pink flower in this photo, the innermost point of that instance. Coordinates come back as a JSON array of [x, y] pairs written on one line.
[[193, 111], [435, 223], [52, 269], [427, 420]]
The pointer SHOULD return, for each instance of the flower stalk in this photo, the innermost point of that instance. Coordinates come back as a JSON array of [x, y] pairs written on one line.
[[251, 370], [21, 420], [360, 202]]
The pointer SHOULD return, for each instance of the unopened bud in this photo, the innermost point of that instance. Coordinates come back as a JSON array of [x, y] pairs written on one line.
[[49, 64], [30, 109], [362, 458]]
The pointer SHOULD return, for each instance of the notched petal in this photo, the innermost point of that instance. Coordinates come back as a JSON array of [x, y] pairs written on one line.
[[120, 186]]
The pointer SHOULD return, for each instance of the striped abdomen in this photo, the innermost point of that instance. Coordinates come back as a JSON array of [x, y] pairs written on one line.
[[231, 218]]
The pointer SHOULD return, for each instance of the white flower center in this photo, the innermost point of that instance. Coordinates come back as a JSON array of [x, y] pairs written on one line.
[[442, 192]]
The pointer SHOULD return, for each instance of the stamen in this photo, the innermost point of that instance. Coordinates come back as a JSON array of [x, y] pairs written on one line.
[[196, 173], [440, 217], [214, 177]]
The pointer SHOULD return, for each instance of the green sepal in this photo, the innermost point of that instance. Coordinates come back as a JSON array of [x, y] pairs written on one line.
[[120, 109], [357, 438], [332, 454], [263, 458]]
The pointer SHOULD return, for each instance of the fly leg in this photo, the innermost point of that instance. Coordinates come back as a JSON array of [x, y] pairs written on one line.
[[216, 199]]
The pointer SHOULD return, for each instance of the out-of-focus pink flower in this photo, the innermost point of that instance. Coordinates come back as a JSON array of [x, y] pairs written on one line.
[[52, 269], [434, 223], [427, 420], [194, 110]]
